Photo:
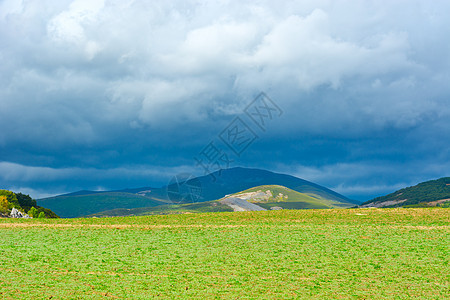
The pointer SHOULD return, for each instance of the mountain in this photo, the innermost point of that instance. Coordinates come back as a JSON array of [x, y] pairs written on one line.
[[257, 198], [233, 180], [80, 204], [429, 193], [185, 190]]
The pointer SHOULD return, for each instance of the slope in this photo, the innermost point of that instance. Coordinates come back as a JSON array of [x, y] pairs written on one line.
[[266, 197], [270, 196], [211, 187], [233, 180], [85, 204], [200, 207], [429, 193]]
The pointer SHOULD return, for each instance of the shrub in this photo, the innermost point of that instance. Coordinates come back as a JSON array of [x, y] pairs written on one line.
[[33, 212]]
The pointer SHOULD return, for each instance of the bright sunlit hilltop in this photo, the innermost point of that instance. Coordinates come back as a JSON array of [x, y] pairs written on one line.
[[270, 196]]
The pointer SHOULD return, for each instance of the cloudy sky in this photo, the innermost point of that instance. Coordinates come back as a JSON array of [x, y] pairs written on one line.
[[115, 94]]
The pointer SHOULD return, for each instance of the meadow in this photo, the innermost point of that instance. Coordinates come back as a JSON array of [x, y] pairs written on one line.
[[316, 254]]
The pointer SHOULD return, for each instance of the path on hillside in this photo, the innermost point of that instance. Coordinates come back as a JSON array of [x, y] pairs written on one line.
[[240, 204]]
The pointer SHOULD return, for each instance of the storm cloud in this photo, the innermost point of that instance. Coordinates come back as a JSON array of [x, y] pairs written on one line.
[[115, 94]]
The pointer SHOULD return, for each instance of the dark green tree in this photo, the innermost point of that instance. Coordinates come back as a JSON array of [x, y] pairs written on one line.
[[25, 201]]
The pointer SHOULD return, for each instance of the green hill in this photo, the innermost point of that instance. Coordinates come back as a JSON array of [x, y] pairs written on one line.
[[210, 187], [268, 196], [233, 180], [429, 193], [71, 206]]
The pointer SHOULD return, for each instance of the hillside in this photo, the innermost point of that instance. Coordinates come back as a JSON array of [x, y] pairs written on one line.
[[71, 206], [429, 193], [233, 180], [269, 196], [200, 207], [211, 187], [264, 197]]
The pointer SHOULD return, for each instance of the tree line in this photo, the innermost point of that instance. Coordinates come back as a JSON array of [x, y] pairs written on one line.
[[24, 203]]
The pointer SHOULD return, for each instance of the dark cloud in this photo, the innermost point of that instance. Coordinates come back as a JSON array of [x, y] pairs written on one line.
[[110, 94]]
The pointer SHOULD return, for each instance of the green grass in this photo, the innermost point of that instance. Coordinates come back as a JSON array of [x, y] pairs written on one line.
[[292, 205], [199, 207], [320, 254]]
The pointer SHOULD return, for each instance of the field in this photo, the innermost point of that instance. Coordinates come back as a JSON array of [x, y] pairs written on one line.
[[319, 254], [198, 207]]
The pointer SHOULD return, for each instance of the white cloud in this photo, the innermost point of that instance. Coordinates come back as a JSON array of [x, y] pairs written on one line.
[[10, 7], [192, 52], [68, 25]]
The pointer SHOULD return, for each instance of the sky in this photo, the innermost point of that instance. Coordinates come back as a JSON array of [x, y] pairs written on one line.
[[99, 95]]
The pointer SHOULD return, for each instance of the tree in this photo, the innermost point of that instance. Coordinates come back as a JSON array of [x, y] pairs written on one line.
[[41, 215], [48, 213], [25, 201], [12, 199], [3, 203], [33, 212]]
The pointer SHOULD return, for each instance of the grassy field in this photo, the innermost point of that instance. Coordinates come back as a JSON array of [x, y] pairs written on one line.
[[198, 207], [338, 254]]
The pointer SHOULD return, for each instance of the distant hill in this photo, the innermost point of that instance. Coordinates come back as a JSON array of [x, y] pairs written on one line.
[[269, 196], [233, 180], [81, 204], [211, 187], [429, 193], [265, 197]]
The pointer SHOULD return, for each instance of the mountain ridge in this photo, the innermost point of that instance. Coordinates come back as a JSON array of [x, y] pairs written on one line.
[[210, 187], [267, 197], [427, 193], [251, 177]]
